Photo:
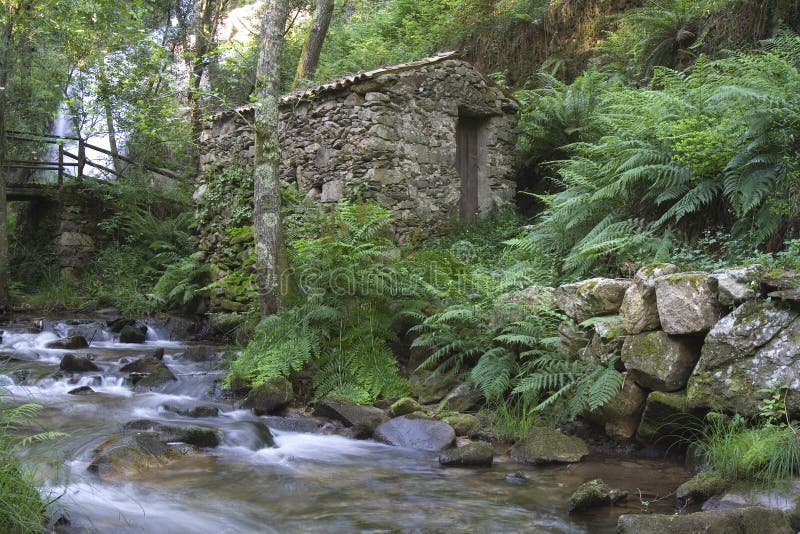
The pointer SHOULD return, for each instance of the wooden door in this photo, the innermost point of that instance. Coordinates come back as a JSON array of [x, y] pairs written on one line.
[[467, 166]]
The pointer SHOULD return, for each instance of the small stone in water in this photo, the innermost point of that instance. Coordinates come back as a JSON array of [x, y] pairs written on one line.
[[516, 478], [83, 390]]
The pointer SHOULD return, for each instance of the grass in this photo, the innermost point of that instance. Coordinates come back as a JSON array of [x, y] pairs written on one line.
[[762, 455]]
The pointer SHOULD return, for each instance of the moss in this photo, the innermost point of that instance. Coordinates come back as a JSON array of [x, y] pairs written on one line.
[[594, 493], [694, 280], [405, 406], [464, 424], [751, 520], [548, 445]]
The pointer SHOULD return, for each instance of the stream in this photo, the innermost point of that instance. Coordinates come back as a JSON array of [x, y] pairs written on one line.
[[308, 482]]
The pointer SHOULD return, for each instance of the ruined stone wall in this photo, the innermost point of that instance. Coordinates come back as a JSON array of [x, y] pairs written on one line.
[[389, 140]]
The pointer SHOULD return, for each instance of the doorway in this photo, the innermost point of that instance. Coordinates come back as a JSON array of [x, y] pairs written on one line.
[[468, 159]]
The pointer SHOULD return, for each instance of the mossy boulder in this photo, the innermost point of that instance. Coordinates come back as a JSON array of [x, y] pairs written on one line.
[[660, 361], [737, 285], [606, 341], [755, 347], [133, 334], [148, 373], [463, 423], [405, 406], [68, 343], [428, 387], [593, 494], [423, 434], [475, 454], [462, 398], [666, 416], [199, 436], [699, 488], [639, 312], [545, 445], [590, 298], [751, 520], [77, 364], [128, 455], [271, 397], [687, 303], [621, 414]]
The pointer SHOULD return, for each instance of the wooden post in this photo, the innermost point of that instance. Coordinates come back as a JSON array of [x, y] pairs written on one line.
[[81, 157], [60, 164]]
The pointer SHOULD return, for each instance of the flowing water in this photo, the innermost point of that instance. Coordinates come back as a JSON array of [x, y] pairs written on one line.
[[309, 482]]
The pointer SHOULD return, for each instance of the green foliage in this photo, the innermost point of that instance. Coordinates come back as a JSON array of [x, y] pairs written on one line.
[[340, 323], [181, 281], [764, 454], [23, 508], [714, 148]]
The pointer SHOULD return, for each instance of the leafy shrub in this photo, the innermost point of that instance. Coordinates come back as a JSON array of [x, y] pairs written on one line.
[[714, 148], [340, 323]]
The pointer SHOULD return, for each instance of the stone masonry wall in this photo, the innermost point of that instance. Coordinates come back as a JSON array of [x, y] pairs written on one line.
[[389, 139]]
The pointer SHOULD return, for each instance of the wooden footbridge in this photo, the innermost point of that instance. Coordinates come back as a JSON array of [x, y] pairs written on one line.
[[67, 165]]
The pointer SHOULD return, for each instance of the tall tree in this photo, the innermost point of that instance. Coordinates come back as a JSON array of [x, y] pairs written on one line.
[[309, 58], [266, 172]]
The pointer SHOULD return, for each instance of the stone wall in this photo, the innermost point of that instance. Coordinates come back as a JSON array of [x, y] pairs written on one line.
[[62, 229], [387, 137], [688, 342]]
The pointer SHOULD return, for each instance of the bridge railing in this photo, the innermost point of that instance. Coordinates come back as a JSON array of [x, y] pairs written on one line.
[[69, 160]]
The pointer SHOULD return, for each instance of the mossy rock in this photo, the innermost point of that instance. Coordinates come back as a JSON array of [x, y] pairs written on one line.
[[548, 445], [271, 397], [476, 454], [462, 398], [750, 520], [199, 436], [463, 423], [405, 406], [68, 343], [665, 416], [699, 488], [125, 456], [594, 493]]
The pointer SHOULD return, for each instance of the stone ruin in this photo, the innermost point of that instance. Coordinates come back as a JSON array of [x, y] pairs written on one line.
[[432, 141]]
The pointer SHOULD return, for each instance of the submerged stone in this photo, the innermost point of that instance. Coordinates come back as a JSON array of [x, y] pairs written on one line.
[[199, 436], [68, 343], [77, 364], [363, 419]]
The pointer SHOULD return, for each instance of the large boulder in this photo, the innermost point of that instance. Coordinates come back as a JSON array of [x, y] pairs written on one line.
[[545, 445], [751, 520], [199, 436], [122, 456], [133, 334], [687, 302], [77, 364], [756, 347], [68, 343], [363, 419], [271, 397], [620, 415], [476, 454], [737, 285], [666, 417], [423, 434], [639, 312], [429, 387], [148, 372], [462, 398], [590, 298], [660, 361], [593, 494]]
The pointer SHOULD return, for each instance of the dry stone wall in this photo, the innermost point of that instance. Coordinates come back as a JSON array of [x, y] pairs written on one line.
[[385, 137], [688, 342]]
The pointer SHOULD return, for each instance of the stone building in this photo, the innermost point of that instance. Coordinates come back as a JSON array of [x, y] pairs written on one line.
[[432, 140]]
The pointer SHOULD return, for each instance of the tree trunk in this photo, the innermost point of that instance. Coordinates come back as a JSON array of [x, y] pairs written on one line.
[[105, 95], [5, 39], [309, 59], [266, 172]]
